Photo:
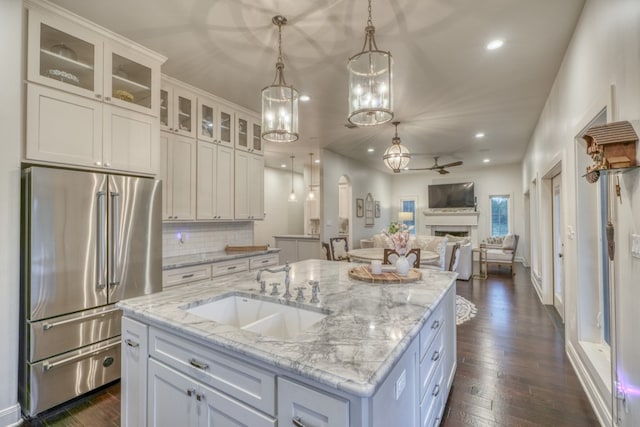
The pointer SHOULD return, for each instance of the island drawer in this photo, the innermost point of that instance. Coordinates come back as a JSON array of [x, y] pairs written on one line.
[[263, 261], [432, 402], [309, 407], [179, 276], [238, 379], [433, 359], [430, 329], [229, 267]]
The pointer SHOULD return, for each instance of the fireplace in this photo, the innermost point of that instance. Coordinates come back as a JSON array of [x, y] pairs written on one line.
[[462, 224]]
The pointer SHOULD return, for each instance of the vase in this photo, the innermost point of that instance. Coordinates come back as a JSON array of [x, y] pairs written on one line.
[[402, 265]]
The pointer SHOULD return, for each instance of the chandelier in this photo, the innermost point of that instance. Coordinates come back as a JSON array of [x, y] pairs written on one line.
[[292, 195], [279, 101], [370, 82], [397, 156]]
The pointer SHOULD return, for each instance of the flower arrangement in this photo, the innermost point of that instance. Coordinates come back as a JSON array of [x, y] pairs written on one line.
[[400, 235]]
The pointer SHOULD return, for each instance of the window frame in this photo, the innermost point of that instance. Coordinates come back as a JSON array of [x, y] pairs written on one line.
[[509, 198], [414, 222]]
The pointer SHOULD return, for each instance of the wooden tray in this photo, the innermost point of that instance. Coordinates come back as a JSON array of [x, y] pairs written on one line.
[[364, 274], [246, 248]]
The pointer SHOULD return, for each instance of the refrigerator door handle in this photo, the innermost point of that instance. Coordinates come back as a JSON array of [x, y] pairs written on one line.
[[47, 366], [114, 273], [46, 325], [101, 243]]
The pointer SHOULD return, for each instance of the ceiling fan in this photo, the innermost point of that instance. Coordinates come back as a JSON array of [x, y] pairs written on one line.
[[439, 168]]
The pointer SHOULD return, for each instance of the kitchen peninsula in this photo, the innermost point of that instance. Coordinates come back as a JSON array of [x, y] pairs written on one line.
[[382, 354]]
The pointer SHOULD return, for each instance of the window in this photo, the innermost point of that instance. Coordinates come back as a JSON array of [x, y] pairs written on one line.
[[500, 208], [409, 205]]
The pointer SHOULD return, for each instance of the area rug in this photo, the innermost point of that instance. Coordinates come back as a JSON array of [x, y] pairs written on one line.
[[465, 310]]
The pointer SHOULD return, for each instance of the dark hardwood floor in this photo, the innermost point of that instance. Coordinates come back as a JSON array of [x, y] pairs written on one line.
[[512, 368]]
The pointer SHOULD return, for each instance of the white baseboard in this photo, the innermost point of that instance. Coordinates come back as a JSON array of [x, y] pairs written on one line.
[[10, 417], [599, 405], [537, 285]]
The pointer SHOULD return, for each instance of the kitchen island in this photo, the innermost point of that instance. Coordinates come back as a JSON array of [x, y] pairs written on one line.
[[380, 355]]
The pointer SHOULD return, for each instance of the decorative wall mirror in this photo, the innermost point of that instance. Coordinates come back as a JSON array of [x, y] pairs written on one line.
[[368, 211]]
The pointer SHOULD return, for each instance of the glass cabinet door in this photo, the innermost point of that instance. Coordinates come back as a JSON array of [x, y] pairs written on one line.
[[164, 109], [242, 137], [64, 55], [184, 113], [226, 129], [206, 121], [257, 138], [129, 79]]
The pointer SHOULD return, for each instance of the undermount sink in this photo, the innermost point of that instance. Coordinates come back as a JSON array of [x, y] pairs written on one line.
[[255, 315]]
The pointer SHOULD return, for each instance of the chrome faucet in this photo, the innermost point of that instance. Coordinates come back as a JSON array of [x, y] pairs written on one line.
[[286, 268]]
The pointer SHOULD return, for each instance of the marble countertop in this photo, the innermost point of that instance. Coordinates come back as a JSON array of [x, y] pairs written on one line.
[[298, 236], [172, 262], [352, 349]]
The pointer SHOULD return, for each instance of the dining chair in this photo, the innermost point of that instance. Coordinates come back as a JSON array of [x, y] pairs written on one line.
[[413, 256], [326, 250], [455, 257], [339, 248]]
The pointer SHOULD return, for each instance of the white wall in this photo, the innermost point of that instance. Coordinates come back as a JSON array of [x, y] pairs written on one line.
[[189, 238], [363, 180], [605, 50], [282, 216], [11, 24], [491, 180]]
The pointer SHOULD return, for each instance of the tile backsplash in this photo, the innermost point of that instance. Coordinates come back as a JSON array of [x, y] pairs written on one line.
[[197, 237]]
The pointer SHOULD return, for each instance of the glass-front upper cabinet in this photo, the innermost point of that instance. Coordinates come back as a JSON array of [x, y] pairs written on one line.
[[130, 79], [242, 132], [256, 136], [64, 55], [207, 120], [67, 54], [225, 123], [177, 110]]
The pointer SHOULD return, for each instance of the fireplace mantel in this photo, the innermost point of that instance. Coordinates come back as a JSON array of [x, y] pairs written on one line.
[[451, 218]]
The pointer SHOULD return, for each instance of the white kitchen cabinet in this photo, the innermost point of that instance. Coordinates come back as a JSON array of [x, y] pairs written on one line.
[[249, 186], [178, 400], [71, 129], [183, 275], [76, 56], [214, 182], [133, 384], [248, 133], [222, 268], [215, 122], [177, 109], [262, 261], [178, 173], [305, 406]]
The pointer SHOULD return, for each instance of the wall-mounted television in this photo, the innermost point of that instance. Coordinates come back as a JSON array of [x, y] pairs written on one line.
[[451, 196]]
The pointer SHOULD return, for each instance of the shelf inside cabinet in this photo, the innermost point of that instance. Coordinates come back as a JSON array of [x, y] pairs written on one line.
[[130, 84], [70, 63]]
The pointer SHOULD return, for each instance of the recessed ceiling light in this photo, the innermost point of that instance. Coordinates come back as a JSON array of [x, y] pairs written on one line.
[[480, 135], [370, 150], [495, 44], [283, 165], [304, 98], [486, 160], [316, 161]]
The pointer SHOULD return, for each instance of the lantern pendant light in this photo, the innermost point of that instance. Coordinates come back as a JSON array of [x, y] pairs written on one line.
[[292, 195], [279, 101], [370, 82], [397, 156], [311, 195]]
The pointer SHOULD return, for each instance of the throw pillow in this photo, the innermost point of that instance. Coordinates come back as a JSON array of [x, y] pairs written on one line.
[[509, 242], [382, 241], [338, 249], [495, 240]]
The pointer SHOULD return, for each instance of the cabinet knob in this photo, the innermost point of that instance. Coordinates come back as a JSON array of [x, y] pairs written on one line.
[[98, 96], [107, 98], [171, 129], [107, 165], [98, 163]]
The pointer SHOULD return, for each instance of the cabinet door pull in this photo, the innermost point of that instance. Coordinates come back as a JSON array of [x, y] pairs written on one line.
[[186, 276], [436, 390], [191, 391], [131, 343], [98, 96], [198, 364], [436, 355], [297, 421], [435, 324], [107, 98], [233, 267], [199, 397]]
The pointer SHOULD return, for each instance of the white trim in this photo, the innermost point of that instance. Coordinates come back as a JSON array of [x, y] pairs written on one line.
[[10, 416], [599, 405]]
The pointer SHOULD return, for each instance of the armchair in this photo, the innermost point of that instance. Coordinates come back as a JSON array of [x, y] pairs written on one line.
[[503, 254]]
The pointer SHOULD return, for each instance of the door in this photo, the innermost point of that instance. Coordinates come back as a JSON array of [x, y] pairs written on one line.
[[558, 246], [135, 237], [65, 214]]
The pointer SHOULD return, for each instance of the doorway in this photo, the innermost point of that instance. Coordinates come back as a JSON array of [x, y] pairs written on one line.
[[558, 246], [344, 209]]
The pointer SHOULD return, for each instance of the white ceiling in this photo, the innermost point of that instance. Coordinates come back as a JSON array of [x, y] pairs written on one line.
[[447, 85]]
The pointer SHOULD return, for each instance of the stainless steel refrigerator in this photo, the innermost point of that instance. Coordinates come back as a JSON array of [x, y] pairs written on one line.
[[89, 240]]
